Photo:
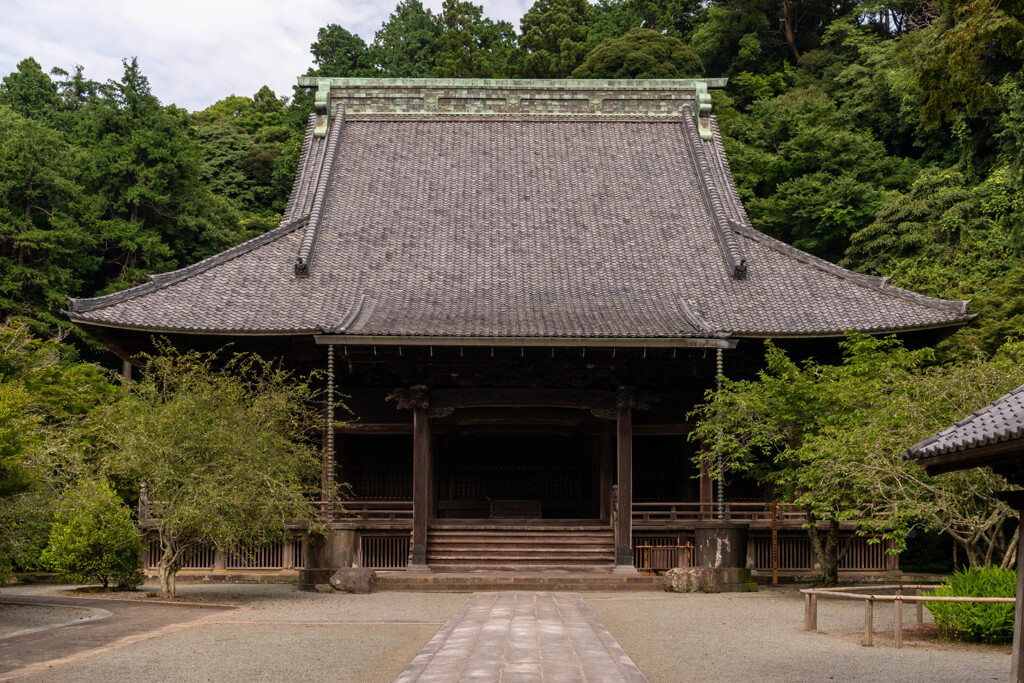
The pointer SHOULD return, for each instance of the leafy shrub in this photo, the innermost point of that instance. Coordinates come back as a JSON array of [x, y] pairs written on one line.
[[94, 539], [980, 622]]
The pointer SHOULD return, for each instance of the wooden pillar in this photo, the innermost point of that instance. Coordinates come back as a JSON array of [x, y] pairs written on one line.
[[420, 485], [606, 474], [707, 492], [1016, 670], [624, 521]]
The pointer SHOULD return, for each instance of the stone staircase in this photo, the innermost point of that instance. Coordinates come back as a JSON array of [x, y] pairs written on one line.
[[510, 547]]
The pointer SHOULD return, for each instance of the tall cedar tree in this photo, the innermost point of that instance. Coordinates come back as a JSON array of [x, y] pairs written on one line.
[[406, 45], [554, 39], [470, 45]]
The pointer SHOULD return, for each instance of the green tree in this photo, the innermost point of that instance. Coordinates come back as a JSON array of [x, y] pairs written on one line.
[[44, 248], [93, 538], [339, 52], [470, 45], [829, 439], [30, 92], [223, 449], [554, 39], [148, 206], [641, 53], [46, 398], [405, 45], [806, 175]]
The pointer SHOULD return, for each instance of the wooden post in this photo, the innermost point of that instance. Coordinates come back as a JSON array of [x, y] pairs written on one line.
[[898, 621], [775, 543], [420, 485], [288, 553], [810, 612], [707, 493], [869, 626], [624, 530], [606, 473], [1016, 670]]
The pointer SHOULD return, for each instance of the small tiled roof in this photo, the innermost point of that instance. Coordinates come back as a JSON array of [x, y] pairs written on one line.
[[608, 213], [999, 422]]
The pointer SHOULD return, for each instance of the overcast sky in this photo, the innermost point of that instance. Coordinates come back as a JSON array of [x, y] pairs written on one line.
[[194, 52]]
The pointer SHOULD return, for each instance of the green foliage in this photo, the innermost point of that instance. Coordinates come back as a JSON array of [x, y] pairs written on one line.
[[829, 438], [339, 52], [471, 45], [45, 400], [553, 40], [223, 448], [30, 92], [405, 46], [641, 53], [976, 622], [93, 538], [806, 175]]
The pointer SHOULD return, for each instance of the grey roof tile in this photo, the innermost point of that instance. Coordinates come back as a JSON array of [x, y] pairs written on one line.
[[517, 225], [1001, 420]]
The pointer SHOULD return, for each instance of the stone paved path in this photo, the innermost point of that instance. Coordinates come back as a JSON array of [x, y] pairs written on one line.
[[517, 636]]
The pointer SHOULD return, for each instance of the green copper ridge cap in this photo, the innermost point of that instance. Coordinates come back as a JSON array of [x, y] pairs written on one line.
[[482, 97]]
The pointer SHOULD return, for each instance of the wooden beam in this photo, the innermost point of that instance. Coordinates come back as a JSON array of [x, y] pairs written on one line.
[[624, 521], [582, 399], [518, 416], [421, 484], [662, 429], [544, 342], [374, 428], [1016, 670]]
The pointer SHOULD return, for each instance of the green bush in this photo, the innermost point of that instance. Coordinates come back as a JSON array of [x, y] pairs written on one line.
[[93, 538], [978, 622]]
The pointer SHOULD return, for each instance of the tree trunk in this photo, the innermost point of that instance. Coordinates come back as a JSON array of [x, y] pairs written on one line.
[[826, 552], [168, 569], [789, 31]]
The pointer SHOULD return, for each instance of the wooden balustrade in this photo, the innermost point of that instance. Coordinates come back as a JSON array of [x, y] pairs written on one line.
[[654, 513]]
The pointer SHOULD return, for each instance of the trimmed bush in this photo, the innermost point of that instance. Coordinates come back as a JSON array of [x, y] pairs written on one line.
[[93, 538], [976, 622]]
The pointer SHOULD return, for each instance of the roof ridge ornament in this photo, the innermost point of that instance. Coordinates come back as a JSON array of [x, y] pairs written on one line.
[[703, 112], [322, 107]]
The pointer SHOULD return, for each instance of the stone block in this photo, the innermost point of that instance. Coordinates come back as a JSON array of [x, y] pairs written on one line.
[[354, 580], [323, 588], [693, 580]]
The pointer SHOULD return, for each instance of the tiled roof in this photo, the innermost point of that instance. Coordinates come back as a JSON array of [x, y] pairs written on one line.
[[516, 225], [998, 422]]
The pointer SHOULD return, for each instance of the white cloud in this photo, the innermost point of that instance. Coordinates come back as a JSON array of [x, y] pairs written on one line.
[[194, 52]]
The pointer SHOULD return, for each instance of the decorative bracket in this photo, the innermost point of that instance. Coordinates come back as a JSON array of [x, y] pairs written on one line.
[[703, 111], [322, 105], [416, 397]]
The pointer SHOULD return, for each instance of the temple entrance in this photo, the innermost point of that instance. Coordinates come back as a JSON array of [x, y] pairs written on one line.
[[509, 476]]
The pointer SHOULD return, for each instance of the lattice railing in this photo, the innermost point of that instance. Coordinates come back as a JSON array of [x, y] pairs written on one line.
[[384, 552]]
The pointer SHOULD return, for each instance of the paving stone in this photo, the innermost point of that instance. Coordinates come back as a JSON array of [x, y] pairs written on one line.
[[520, 637]]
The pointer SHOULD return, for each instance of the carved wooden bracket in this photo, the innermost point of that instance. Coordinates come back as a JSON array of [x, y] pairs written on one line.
[[412, 398]]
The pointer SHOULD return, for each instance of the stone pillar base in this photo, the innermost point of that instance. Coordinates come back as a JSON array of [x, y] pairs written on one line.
[[720, 543]]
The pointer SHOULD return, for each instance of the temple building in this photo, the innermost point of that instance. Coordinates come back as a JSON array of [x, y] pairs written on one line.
[[517, 291]]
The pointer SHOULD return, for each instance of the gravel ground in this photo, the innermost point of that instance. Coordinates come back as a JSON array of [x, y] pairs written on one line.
[[281, 633], [278, 633], [760, 637], [14, 618]]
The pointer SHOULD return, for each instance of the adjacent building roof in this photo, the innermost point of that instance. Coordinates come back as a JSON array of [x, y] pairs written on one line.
[[993, 436], [526, 209]]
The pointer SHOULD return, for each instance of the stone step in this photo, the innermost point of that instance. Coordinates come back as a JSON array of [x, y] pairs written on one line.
[[549, 580], [524, 558]]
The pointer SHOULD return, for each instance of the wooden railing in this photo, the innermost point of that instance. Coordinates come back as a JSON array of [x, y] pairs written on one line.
[[370, 510], [693, 511]]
